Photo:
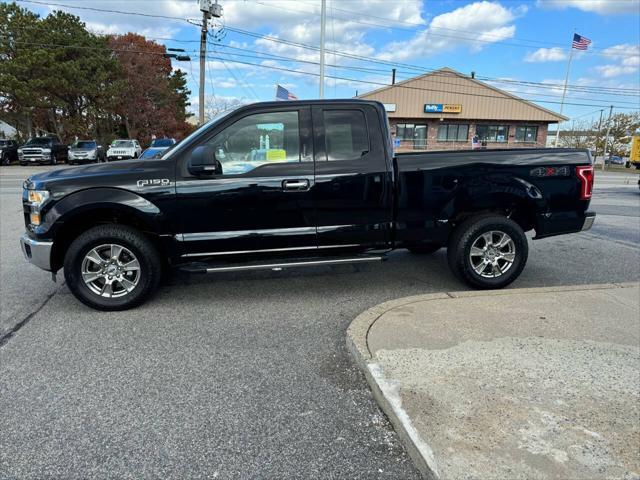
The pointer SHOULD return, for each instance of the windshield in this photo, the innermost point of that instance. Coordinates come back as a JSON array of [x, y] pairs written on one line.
[[5, 143], [39, 141], [85, 145], [122, 144], [215, 119], [163, 142]]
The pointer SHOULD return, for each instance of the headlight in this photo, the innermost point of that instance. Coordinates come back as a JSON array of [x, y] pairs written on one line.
[[93, 153], [37, 197], [46, 150]]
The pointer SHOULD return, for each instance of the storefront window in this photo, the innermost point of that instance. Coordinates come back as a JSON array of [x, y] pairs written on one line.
[[526, 133], [412, 135], [492, 133], [453, 133]]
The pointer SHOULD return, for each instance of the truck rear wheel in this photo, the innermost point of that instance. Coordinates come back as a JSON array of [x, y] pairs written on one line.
[[488, 251], [112, 267]]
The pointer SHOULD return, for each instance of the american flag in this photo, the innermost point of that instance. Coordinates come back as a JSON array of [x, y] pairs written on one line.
[[284, 94], [580, 42]]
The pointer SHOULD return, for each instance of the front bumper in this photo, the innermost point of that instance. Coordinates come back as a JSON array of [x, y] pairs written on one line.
[[37, 252], [35, 158], [112, 158]]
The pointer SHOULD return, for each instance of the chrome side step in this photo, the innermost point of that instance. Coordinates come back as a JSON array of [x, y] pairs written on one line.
[[282, 265]]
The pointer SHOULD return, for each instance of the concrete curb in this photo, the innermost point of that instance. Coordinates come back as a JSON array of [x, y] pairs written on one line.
[[385, 393]]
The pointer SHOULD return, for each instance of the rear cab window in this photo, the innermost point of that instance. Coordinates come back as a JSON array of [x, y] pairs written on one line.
[[346, 136]]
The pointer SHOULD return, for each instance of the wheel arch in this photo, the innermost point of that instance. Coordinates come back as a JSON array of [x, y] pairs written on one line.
[[514, 198], [79, 212]]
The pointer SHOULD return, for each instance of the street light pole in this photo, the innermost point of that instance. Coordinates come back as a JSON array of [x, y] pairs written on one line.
[[323, 21]]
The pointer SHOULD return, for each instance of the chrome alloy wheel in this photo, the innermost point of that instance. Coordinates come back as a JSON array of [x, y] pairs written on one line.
[[492, 254], [110, 270]]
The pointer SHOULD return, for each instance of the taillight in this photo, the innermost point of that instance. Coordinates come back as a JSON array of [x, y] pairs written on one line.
[[585, 174]]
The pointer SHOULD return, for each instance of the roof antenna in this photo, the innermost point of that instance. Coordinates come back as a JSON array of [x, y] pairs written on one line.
[[473, 74]]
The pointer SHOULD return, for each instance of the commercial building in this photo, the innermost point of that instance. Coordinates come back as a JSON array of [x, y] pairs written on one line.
[[446, 110]]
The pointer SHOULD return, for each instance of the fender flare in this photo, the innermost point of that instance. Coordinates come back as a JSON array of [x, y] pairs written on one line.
[[104, 199]]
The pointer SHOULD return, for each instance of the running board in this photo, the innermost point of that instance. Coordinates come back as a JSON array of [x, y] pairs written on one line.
[[200, 268]]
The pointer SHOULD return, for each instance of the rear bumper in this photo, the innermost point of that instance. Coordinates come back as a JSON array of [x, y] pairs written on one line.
[[37, 252], [549, 225], [588, 221]]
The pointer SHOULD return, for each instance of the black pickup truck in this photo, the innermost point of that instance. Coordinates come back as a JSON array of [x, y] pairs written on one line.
[[289, 184]]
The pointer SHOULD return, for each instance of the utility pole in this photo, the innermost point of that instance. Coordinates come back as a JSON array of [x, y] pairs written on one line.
[[208, 10], [606, 139], [393, 76], [323, 22], [203, 55], [598, 135]]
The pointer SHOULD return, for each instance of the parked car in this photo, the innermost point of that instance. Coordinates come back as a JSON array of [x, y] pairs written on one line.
[[8, 151], [39, 150], [158, 147], [614, 160], [85, 151], [162, 143], [264, 187], [124, 149], [152, 153]]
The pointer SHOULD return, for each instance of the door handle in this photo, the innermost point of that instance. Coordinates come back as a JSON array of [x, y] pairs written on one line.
[[295, 185]]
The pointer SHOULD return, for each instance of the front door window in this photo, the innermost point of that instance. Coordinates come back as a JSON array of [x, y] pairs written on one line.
[[257, 140]]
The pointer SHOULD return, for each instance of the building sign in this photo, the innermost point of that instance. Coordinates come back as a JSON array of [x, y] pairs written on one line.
[[442, 108], [389, 107]]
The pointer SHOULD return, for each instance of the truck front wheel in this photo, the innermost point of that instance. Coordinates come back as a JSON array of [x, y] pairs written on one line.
[[112, 267], [488, 251]]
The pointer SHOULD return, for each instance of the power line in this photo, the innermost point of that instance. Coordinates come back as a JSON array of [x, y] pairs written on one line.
[[355, 80], [245, 32], [282, 58]]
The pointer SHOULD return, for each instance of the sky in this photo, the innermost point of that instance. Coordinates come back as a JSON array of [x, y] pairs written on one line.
[[519, 46]]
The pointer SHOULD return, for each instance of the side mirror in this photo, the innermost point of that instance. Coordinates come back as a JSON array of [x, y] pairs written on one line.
[[203, 161]]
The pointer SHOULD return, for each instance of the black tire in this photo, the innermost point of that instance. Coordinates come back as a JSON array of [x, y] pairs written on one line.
[[54, 159], [424, 248], [150, 271], [23, 164], [468, 232]]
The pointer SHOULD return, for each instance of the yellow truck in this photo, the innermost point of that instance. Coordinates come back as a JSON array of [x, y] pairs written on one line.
[[634, 154]]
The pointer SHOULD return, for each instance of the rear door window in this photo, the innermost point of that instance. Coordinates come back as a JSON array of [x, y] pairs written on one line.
[[346, 136]]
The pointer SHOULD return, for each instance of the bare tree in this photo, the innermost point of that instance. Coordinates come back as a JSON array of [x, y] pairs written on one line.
[[217, 105], [580, 135]]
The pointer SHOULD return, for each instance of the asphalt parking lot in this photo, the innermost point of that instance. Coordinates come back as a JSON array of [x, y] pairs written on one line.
[[235, 375]]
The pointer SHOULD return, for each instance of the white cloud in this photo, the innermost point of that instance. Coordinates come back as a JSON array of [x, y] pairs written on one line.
[[603, 7], [625, 58], [608, 71], [116, 23], [489, 21], [554, 54]]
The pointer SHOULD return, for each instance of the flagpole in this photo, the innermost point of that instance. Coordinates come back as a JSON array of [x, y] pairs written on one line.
[[564, 92], [323, 21]]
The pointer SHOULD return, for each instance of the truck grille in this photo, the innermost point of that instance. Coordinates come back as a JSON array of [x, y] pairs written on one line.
[[32, 151], [120, 152]]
